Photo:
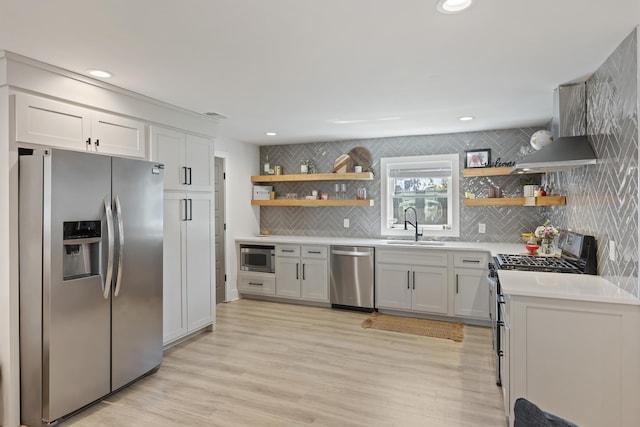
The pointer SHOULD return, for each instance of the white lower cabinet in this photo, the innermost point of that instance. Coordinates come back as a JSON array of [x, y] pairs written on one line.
[[250, 282], [471, 293], [53, 123], [302, 272], [189, 289], [575, 359], [407, 286]]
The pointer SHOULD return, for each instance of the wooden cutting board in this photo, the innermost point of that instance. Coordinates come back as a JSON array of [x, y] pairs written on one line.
[[360, 156], [341, 165]]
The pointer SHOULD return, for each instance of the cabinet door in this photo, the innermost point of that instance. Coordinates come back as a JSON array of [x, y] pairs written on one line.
[[52, 123], [315, 279], [198, 158], [167, 147], [117, 135], [174, 274], [200, 262], [288, 277], [471, 293], [393, 287], [429, 286]]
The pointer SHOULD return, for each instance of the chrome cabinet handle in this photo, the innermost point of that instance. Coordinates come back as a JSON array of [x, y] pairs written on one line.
[[186, 209], [408, 280], [120, 245], [297, 270], [474, 261], [287, 250], [456, 283], [256, 284], [315, 252], [190, 209], [106, 285], [189, 176], [303, 278], [414, 280]]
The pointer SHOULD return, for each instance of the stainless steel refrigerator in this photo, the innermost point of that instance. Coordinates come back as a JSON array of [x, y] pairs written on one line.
[[90, 278]]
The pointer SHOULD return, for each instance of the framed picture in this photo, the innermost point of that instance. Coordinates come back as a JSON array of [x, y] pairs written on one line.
[[477, 158]]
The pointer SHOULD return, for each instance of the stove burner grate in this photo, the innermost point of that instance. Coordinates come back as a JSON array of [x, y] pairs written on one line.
[[536, 263]]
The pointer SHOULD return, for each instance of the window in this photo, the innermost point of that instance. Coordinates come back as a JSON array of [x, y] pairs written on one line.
[[428, 184]]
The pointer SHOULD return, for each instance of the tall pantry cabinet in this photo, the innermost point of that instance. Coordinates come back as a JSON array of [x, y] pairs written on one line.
[[189, 287]]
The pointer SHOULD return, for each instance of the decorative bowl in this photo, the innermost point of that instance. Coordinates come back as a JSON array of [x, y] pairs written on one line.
[[533, 249]]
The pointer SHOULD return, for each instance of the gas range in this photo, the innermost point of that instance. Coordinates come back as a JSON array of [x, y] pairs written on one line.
[[578, 255], [536, 263]]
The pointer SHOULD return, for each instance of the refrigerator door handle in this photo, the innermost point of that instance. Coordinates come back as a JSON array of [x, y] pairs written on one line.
[[106, 285], [120, 245]]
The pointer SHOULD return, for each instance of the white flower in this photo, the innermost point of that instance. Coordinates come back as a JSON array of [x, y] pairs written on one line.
[[546, 231]]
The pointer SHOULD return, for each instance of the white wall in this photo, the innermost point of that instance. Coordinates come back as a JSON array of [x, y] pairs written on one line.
[[241, 161]]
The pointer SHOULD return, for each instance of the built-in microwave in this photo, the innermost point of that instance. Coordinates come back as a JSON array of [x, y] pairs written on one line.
[[258, 258]]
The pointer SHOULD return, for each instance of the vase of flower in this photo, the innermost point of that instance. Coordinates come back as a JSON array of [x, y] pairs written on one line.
[[547, 246], [547, 233]]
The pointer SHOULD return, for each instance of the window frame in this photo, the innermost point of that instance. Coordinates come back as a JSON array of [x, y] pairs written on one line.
[[386, 163]]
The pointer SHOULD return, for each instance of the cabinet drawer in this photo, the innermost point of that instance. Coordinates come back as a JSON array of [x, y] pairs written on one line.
[[471, 259], [257, 283], [314, 252], [414, 257], [288, 250]]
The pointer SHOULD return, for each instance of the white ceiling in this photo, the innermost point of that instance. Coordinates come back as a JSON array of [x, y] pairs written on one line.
[[296, 66]]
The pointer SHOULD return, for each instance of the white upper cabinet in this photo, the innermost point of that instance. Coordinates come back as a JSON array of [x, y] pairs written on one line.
[[117, 135], [186, 158], [57, 124]]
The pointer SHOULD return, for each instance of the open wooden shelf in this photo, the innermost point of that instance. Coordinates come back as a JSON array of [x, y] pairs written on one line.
[[518, 201], [313, 203], [487, 171], [308, 177], [545, 201]]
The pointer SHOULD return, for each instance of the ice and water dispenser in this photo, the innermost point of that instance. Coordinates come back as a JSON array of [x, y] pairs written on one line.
[[81, 256]]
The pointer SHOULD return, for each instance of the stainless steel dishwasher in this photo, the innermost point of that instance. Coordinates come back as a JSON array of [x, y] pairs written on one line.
[[352, 277]]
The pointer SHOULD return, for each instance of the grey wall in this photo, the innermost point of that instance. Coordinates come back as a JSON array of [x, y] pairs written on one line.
[[504, 224], [602, 200]]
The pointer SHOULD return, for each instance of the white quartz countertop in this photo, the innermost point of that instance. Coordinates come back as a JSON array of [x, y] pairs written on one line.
[[582, 287], [493, 248]]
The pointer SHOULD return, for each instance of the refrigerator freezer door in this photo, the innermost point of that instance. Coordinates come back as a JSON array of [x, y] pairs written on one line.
[[137, 308], [76, 330]]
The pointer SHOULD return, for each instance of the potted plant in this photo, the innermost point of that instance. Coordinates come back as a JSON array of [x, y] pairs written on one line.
[[307, 166]]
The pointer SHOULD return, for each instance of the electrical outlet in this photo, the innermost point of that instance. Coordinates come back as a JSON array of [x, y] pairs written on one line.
[[612, 250], [346, 223], [482, 228]]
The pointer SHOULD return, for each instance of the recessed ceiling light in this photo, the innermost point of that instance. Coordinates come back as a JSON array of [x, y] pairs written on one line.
[[466, 118], [100, 73], [453, 6], [271, 134], [343, 122]]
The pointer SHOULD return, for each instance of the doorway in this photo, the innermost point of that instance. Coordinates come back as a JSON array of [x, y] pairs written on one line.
[[220, 227]]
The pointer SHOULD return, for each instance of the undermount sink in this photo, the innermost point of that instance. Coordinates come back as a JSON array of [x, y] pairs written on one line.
[[414, 243]]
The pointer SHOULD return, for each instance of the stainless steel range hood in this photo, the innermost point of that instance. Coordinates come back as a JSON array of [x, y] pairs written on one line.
[[571, 147]]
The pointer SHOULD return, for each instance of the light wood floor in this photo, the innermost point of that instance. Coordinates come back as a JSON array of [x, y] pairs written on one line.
[[270, 364]]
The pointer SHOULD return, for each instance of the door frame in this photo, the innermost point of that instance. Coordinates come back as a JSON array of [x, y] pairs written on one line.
[[224, 157]]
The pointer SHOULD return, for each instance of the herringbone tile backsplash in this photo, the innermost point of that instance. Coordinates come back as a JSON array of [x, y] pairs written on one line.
[[504, 224], [602, 200]]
